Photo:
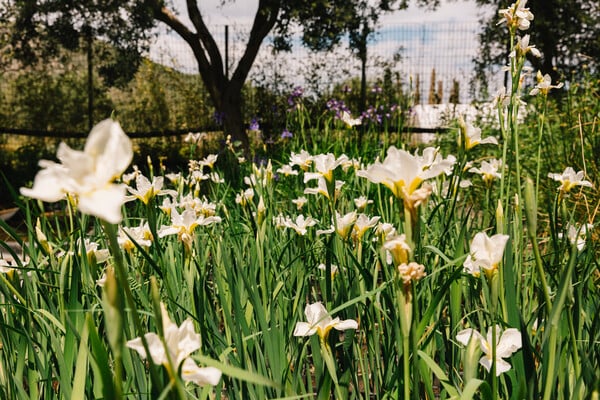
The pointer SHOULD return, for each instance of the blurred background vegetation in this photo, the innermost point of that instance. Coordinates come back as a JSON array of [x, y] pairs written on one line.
[[48, 91]]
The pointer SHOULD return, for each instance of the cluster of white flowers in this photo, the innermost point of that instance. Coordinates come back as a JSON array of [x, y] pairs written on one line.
[[324, 165], [517, 15], [518, 18], [129, 236], [202, 170], [87, 177], [321, 168], [351, 225]]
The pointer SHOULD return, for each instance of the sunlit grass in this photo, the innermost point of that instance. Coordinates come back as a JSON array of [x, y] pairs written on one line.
[[415, 250]]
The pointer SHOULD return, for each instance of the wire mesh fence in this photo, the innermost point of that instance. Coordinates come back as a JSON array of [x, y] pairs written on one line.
[[433, 62], [417, 52]]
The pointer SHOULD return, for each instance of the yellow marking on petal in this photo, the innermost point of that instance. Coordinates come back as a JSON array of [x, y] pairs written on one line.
[[414, 185], [323, 332]]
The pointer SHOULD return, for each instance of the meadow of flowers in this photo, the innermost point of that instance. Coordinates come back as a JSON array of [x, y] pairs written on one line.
[[332, 271]]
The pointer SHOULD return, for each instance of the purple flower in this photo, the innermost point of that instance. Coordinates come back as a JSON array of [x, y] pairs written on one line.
[[372, 115], [337, 106], [286, 134], [254, 125], [295, 96]]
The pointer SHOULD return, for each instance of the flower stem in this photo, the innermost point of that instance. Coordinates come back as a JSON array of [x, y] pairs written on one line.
[[406, 362], [405, 316], [494, 283], [111, 233], [539, 150]]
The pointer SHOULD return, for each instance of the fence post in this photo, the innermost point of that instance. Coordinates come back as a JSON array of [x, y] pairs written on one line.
[[226, 51], [90, 72], [362, 51]]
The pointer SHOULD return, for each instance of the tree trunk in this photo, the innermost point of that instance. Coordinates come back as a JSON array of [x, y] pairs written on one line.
[[225, 92], [233, 121]]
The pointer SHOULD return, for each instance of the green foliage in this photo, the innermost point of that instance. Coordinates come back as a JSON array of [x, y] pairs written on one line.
[[149, 101], [52, 95], [574, 118], [245, 282], [41, 30], [159, 98], [564, 31], [19, 165]]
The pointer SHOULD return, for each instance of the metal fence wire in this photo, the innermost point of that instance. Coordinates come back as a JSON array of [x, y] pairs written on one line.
[[427, 58], [413, 50]]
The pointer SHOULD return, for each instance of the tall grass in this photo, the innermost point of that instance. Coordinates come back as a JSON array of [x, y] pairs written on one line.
[[68, 310]]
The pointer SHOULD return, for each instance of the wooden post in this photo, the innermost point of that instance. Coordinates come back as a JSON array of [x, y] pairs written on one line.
[[227, 51], [90, 73]]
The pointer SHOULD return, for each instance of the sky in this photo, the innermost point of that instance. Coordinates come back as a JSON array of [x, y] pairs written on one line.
[[243, 11], [444, 39]]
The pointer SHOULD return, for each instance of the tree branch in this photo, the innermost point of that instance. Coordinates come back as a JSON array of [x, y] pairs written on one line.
[[212, 77], [264, 21], [205, 36]]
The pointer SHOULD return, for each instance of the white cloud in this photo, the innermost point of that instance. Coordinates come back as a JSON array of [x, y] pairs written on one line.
[[242, 12], [456, 11]]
